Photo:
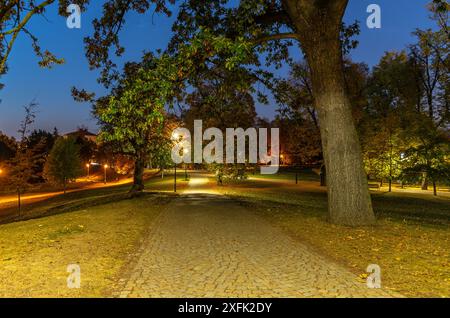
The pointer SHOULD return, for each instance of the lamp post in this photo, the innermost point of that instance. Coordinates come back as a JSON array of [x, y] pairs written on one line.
[[88, 165], [175, 179], [105, 167], [185, 151], [175, 137]]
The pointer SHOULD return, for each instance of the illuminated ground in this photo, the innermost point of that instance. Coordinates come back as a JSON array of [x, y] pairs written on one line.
[[254, 238], [208, 245]]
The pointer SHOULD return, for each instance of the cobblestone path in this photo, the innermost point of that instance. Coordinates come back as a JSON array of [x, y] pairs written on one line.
[[207, 245]]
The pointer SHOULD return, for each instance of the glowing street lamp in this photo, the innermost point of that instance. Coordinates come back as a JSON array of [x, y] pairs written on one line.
[[105, 167], [88, 165]]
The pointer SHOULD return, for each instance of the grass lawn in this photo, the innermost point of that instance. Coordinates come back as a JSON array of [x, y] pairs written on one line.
[[288, 174], [34, 254], [411, 241], [78, 228]]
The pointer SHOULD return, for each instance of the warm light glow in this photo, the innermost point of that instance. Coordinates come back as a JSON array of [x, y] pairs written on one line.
[[281, 156], [87, 165], [185, 150], [1, 171], [106, 166]]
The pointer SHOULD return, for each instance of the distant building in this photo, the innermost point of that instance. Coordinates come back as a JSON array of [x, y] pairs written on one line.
[[82, 133]]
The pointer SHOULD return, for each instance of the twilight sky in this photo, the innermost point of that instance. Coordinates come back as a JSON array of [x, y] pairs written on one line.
[[25, 81]]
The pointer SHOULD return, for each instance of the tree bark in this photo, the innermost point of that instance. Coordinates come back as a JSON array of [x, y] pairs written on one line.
[[318, 25], [434, 188], [138, 177], [424, 181]]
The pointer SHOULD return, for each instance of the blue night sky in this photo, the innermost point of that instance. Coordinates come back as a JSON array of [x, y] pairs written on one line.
[[25, 81]]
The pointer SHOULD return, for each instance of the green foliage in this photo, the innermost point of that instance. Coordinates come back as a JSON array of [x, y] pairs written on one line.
[[24, 166], [63, 163], [428, 151], [228, 172], [21, 169], [7, 147], [405, 129]]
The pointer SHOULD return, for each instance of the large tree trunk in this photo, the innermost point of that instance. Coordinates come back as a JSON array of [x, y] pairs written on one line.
[[138, 177], [318, 25]]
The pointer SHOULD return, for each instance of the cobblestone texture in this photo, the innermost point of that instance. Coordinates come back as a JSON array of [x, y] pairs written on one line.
[[210, 246]]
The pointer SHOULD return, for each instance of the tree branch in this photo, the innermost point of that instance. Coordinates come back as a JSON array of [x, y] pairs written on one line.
[[275, 37], [15, 32]]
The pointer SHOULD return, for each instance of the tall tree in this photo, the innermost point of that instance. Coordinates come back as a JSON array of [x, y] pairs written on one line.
[[316, 25], [63, 163], [296, 100], [132, 116], [44, 141], [23, 165]]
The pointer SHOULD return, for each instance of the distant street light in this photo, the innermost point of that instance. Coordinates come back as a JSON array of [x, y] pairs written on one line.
[[106, 167], [88, 165]]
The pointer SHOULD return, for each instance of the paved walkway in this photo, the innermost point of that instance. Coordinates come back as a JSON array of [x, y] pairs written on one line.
[[206, 245]]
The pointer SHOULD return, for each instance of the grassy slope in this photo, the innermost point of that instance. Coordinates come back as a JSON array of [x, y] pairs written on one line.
[[34, 254], [74, 201]]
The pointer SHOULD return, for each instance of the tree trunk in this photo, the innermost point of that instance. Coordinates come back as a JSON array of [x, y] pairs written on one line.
[[318, 25], [434, 188], [390, 185], [65, 185], [424, 181], [138, 177]]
